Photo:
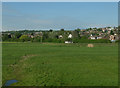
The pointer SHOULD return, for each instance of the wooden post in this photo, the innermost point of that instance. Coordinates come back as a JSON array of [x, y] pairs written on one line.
[[41, 39]]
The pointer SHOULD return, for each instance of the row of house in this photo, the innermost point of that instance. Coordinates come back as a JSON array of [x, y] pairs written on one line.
[[93, 34], [69, 36]]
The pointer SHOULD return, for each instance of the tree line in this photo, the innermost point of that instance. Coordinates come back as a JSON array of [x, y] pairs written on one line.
[[49, 36]]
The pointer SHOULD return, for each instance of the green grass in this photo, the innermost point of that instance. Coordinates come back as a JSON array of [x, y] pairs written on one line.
[[35, 64]]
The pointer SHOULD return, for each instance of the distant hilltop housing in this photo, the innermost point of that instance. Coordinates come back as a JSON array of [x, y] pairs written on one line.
[[63, 36]]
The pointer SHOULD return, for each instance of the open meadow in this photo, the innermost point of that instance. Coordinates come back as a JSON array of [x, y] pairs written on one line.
[[52, 64]]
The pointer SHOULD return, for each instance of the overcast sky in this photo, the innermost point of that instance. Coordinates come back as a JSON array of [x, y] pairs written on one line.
[[57, 15]]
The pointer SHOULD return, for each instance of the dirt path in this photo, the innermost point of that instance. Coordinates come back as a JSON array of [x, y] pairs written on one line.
[[23, 58]]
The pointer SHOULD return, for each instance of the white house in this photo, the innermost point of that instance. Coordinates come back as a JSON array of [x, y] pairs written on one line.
[[110, 28], [70, 36], [32, 36], [112, 38], [60, 36], [99, 37], [91, 35], [68, 42], [92, 38], [115, 34]]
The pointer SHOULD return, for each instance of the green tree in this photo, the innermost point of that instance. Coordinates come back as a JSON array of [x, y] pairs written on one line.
[[6, 37], [24, 38], [77, 30], [62, 29], [17, 35], [111, 32], [50, 30], [37, 39]]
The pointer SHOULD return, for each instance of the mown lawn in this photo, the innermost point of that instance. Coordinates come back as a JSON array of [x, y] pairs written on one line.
[[35, 64]]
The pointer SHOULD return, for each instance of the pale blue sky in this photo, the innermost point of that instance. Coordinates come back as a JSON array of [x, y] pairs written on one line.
[[60, 0], [57, 15]]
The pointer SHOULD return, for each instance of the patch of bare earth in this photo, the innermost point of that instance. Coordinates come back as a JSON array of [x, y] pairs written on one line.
[[23, 58], [27, 57]]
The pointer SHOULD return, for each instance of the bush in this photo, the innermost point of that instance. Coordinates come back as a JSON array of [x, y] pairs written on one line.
[[24, 38]]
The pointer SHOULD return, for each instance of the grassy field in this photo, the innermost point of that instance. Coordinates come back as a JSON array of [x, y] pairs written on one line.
[[35, 64]]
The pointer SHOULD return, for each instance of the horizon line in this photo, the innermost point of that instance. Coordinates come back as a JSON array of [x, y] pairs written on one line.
[[57, 29]]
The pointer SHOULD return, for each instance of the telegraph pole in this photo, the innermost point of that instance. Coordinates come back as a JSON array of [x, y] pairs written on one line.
[[41, 39]]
